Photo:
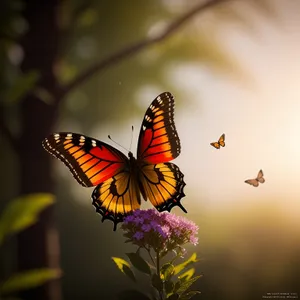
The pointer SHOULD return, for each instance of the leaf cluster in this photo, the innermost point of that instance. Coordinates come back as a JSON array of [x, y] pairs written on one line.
[[170, 282], [20, 214]]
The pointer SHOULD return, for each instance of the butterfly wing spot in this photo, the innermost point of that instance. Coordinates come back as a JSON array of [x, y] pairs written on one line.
[[94, 143]]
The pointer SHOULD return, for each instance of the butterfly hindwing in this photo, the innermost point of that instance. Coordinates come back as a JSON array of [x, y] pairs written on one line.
[[163, 185], [116, 197], [90, 161], [158, 140]]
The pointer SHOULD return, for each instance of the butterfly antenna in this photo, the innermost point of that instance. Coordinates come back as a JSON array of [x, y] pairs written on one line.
[[118, 143], [132, 129]]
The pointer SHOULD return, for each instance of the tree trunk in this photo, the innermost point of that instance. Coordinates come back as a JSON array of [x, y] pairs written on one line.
[[38, 247]]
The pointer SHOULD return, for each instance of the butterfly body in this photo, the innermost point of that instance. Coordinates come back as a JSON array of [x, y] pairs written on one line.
[[120, 180]]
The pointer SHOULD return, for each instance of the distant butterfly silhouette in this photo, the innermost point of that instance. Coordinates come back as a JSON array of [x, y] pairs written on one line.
[[120, 180], [259, 179], [220, 142]]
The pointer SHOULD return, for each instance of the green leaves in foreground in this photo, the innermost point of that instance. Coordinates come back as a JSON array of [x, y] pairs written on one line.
[[19, 214], [22, 212], [28, 279], [139, 263], [168, 284], [124, 267]]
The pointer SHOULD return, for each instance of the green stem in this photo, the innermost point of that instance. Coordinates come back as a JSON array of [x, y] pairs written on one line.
[[158, 272], [148, 250]]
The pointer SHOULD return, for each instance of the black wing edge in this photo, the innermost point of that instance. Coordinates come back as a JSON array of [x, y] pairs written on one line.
[[115, 218], [175, 200]]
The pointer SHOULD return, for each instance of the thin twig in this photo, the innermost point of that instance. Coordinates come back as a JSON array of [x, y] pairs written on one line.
[[135, 48]]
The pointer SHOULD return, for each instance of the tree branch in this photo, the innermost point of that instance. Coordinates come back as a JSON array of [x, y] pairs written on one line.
[[134, 48]]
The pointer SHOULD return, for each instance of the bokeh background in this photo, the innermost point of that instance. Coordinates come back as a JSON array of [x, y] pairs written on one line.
[[233, 68]]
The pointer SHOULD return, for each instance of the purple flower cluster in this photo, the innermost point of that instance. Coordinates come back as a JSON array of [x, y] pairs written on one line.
[[163, 232]]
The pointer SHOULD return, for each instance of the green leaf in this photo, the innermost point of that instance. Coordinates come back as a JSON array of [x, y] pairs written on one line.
[[169, 287], [186, 284], [139, 263], [157, 282], [124, 267], [28, 279], [23, 212], [24, 84], [187, 275], [173, 297], [189, 295], [132, 294], [167, 270], [183, 265]]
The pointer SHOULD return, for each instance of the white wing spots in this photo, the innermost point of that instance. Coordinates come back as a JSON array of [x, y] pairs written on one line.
[[144, 127], [69, 136], [94, 143], [159, 100], [148, 119], [82, 139], [56, 136]]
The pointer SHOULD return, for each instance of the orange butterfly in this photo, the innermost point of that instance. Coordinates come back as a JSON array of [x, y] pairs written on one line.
[[220, 142], [259, 179], [120, 180]]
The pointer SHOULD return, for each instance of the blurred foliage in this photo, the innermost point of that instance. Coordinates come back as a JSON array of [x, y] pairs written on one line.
[[28, 279], [18, 215], [22, 212]]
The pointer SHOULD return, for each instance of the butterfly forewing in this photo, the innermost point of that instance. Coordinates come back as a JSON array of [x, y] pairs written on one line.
[[158, 140], [253, 182], [90, 161], [260, 177], [216, 145]]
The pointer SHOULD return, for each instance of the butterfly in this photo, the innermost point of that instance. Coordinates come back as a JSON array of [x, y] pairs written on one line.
[[259, 179], [120, 181], [220, 142]]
